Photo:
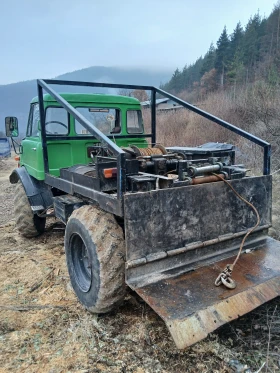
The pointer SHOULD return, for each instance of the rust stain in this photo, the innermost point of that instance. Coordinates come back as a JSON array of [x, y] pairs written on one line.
[[207, 179], [196, 327]]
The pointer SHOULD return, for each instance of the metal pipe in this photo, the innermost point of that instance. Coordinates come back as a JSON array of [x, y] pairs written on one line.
[[197, 171], [100, 85], [81, 119], [121, 180], [217, 120], [43, 129], [207, 179], [238, 131], [44, 83], [153, 116], [266, 160]]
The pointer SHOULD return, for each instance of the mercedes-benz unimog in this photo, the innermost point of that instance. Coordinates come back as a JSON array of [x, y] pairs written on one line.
[[184, 227]]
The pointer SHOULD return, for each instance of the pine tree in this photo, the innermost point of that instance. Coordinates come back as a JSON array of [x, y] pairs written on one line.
[[235, 68], [251, 43], [270, 37], [194, 71], [222, 54], [174, 83], [209, 60], [236, 40]]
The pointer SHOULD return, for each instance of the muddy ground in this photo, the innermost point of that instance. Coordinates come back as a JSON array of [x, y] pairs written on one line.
[[43, 328]]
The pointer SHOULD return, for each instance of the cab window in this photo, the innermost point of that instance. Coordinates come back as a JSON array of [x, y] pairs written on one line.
[[107, 120], [33, 121], [56, 121], [134, 121]]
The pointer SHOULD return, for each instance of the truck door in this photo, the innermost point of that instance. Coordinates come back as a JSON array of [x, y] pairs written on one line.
[[32, 154]]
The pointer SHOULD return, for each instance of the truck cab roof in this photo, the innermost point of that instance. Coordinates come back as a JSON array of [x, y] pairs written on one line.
[[91, 98]]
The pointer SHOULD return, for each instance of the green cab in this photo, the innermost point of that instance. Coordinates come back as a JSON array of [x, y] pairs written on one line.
[[68, 142]]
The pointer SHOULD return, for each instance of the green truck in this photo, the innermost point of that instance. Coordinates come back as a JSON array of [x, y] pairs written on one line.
[[172, 223]]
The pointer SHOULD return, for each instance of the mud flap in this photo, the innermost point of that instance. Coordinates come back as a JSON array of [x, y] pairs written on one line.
[[192, 306], [39, 195]]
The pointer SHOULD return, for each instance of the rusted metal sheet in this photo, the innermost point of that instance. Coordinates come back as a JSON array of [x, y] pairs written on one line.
[[172, 218], [192, 306]]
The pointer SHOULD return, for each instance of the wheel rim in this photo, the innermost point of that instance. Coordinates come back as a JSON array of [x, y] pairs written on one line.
[[81, 263]]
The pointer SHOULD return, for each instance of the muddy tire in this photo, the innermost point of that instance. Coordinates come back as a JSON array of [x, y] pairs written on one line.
[[95, 250], [28, 224]]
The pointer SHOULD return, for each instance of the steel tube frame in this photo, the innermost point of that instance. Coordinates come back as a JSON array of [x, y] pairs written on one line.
[[153, 116], [101, 85], [116, 150], [80, 118], [265, 145], [43, 128]]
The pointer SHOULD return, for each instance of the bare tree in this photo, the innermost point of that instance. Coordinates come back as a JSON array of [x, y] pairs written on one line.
[[124, 92]]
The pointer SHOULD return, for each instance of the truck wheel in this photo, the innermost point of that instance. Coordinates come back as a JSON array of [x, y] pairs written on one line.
[[28, 224], [95, 249]]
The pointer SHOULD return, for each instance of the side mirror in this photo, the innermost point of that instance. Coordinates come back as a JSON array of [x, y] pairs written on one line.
[[11, 124]]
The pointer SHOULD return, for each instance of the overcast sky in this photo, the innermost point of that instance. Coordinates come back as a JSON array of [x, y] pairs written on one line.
[[42, 39]]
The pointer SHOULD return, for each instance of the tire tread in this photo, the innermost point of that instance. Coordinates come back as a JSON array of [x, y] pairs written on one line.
[[108, 238]]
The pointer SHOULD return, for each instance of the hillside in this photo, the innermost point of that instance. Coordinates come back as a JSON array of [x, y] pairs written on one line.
[[248, 55], [15, 97]]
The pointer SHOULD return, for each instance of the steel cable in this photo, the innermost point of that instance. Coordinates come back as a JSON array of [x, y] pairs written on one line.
[[228, 270]]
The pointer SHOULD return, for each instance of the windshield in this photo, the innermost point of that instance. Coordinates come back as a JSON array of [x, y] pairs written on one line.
[[107, 120]]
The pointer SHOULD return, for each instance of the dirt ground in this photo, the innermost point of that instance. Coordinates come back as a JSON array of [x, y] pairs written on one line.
[[43, 328]]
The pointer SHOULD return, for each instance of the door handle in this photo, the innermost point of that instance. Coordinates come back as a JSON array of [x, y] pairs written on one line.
[[34, 149]]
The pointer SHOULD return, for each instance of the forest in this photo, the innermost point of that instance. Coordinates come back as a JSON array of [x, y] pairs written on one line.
[[250, 54]]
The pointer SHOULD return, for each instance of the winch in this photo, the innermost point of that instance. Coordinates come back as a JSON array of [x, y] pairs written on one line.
[[159, 167]]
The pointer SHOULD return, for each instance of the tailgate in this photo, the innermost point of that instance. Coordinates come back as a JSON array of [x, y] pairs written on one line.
[[192, 306]]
